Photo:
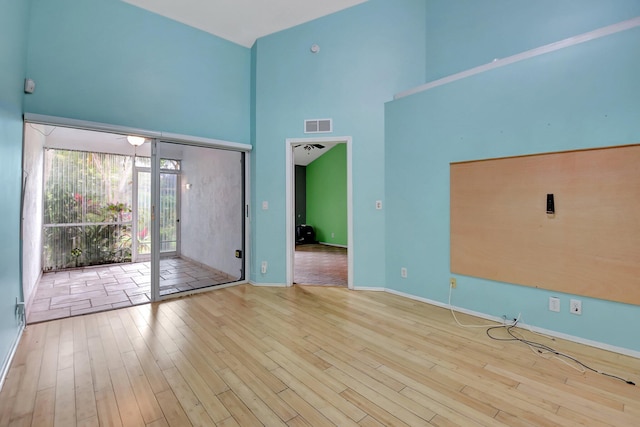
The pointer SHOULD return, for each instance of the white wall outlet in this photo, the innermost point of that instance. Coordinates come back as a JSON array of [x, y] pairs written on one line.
[[575, 306], [554, 304], [378, 204], [453, 282], [263, 267], [333, 235], [265, 205], [403, 272]]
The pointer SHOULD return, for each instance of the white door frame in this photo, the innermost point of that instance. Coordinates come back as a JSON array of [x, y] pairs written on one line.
[[290, 194]]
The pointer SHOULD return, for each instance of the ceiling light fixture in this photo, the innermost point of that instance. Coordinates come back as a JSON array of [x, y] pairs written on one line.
[[136, 141]]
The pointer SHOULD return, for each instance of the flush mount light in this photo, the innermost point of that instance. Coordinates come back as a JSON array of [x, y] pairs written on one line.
[[136, 141]]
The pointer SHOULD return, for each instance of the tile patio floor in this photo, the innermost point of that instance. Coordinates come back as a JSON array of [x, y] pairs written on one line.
[[92, 289]]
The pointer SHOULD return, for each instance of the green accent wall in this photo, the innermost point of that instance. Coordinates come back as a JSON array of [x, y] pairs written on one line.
[[327, 196]]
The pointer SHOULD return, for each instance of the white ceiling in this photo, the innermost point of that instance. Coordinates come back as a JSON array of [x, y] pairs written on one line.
[[243, 21], [302, 157]]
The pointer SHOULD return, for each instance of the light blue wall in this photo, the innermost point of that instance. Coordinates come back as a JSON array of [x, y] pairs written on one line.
[[368, 53], [108, 61], [580, 97], [13, 46], [463, 34]]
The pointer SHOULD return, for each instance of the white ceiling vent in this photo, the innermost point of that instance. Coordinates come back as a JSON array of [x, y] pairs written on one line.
[[318, 126]]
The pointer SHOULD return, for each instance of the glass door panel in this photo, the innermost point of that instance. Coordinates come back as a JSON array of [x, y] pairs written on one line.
[[169, 220], [200, 217], [142, 215]]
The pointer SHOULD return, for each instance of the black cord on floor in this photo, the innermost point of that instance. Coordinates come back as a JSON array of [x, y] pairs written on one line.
[[545, 348]]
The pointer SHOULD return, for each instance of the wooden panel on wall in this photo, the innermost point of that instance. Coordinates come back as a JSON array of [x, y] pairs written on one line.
[[591, 245]]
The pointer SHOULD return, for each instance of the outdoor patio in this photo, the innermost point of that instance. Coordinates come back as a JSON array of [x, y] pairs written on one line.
[[92, 289]]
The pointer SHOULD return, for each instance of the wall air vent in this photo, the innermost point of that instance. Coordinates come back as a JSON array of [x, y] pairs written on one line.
[[318, 126]]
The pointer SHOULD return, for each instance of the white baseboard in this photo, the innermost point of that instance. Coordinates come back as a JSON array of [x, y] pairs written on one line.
[[7, 360], [498, 320], [267, 285], [334, 244], [364, 288], [549, 332]]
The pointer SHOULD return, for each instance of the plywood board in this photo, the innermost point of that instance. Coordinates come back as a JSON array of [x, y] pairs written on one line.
[[591, 245]]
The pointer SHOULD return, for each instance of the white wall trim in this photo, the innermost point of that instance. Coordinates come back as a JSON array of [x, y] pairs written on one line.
[[12, 352], [334, 245], [552, 47], [499, 320], [290, 210], [370, 289], [267, 285], [125, 130]]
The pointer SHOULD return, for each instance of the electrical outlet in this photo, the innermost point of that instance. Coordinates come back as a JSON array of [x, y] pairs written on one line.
[[453, 282], [378, 204], [575, 306], [554, 304], [403, 272], [263, 267]]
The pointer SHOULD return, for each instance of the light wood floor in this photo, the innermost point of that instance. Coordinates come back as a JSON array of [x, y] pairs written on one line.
[[303, 356]]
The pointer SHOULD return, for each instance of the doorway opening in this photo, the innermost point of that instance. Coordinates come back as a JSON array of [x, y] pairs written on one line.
[[319, 242], [107, 224]]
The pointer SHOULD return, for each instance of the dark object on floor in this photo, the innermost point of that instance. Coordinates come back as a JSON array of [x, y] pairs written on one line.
[[305, 234]]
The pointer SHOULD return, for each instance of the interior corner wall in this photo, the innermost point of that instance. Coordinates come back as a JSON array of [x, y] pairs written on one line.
[[327, 196], [584, 96], [32, 215], [13, 46], [367, 54], [108, 61], [211, 217]]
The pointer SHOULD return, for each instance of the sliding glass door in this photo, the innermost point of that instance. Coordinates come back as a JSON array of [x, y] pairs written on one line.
[[199, 207]]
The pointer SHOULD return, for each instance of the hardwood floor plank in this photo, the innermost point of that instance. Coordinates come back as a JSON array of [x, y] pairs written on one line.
[[152, 371], [327, 404], [28, 387], [149, 407], [240, 412], [373, 410], [127, 404], [162, 422], [251, 400], [189, 402], [229, 422], [201, 387], [49, 366], [308, 415], [84, 390], [263, 391], [173, 412], [107, 407], [302, 356], [396, 409], [43, 414], [65, 399]]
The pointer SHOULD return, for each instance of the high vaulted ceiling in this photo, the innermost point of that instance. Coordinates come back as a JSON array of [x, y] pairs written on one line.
[[243, 21]]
